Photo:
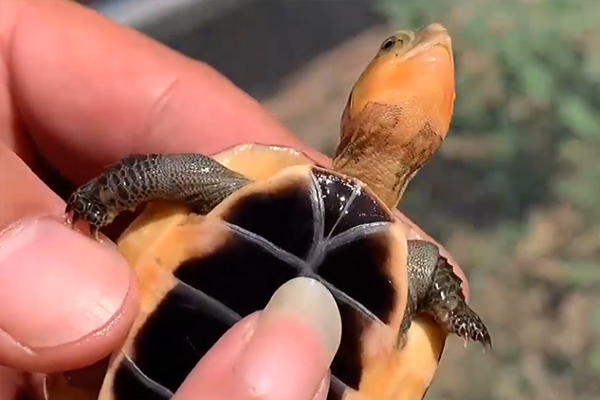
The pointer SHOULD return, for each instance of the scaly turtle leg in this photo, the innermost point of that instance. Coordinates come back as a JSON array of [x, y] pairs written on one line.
[[193, 179], [435, 289]]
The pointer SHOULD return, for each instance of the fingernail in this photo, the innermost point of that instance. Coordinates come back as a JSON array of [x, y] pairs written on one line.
[[56, 284], [294, 342], [307, 300]]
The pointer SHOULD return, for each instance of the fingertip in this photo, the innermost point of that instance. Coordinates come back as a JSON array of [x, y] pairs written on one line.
[[293, 345], [67, 300]]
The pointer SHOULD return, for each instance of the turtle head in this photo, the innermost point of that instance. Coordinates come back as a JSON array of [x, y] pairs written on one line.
[[399, 111]]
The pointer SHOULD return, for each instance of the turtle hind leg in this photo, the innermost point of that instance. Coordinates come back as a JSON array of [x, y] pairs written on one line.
[[194, 179], [446, 303], [435, 289]]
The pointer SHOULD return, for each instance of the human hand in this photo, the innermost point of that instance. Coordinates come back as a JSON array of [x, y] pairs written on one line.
[[80, 92]]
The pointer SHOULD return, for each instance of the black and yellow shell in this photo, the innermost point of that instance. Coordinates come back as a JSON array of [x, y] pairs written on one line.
[[207, 272]]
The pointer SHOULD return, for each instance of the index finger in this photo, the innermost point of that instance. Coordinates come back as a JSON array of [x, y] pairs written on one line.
[[107, 91]]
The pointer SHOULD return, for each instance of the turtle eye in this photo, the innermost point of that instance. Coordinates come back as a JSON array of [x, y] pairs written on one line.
[[388, 43]]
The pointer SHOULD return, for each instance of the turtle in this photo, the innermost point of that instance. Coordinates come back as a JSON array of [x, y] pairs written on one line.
[[218, 235]]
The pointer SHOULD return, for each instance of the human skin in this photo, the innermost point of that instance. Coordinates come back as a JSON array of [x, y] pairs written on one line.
[[82, 92]]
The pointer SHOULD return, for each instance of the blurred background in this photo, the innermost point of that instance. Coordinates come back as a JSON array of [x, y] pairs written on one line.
[[514, 193]]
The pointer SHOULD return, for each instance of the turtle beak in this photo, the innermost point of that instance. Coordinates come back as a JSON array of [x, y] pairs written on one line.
[[437, 35]]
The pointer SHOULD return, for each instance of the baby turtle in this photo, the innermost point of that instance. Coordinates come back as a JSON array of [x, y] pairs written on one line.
[[221, 234]]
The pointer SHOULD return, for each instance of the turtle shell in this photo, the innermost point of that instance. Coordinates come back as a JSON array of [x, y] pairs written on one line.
[[210, 271], [168, 245]]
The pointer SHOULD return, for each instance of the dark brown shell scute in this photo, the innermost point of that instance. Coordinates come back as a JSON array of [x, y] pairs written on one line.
[[273, 237], [184, 326], [357, 268], [335, 192], [240, 274], [270, 216]]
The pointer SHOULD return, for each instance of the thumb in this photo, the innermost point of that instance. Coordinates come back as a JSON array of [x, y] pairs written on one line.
[[284, 352], [66, 299]]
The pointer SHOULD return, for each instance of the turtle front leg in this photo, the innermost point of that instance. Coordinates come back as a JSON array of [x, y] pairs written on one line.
[[194, 179], [435, 289]]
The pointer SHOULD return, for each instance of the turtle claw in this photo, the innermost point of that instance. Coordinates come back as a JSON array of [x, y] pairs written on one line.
[[437, 291], [402, 339], [467, 324], [446, 302], [82, 205], [456, 317], [95, 232], [72, 218], [68, 218]]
